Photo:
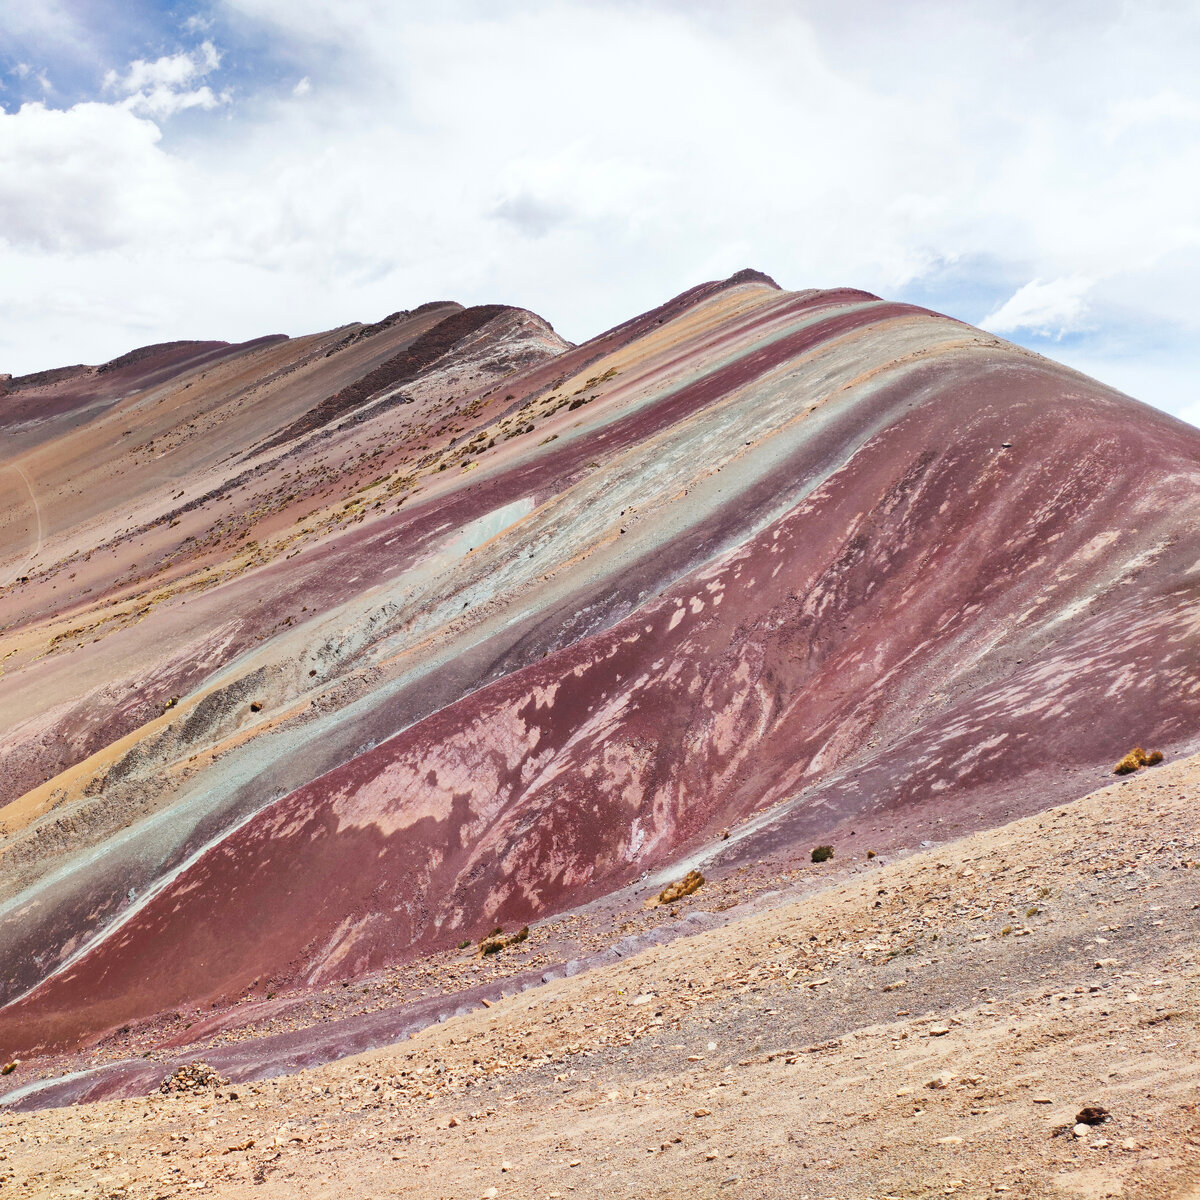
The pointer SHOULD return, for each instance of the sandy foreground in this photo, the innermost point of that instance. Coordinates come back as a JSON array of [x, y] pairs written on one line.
[[930, 1027]]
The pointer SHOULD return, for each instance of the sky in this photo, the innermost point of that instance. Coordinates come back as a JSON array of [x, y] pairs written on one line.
[[230, 168]]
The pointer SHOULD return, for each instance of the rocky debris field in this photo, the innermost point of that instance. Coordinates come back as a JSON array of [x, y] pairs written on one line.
[[1009, 1015]]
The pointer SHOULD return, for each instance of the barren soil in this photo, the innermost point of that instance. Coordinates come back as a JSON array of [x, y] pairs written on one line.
[[920, 1028]]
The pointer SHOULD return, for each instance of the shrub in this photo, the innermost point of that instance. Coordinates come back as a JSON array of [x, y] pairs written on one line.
[[496, 941], [691, 882], [1136, 759], [822, 853]]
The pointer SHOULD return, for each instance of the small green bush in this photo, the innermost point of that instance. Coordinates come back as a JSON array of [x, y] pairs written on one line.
[[822, 853]]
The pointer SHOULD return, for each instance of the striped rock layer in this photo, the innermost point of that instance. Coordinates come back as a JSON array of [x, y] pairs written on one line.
[[322, 653]]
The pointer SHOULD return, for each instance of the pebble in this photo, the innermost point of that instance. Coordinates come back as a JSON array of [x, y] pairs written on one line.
[[938, 1030]]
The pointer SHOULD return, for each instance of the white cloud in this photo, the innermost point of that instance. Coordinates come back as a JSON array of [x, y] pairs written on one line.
[[24, 71], [1048, 309], [55, 24], [165, 86], [81, 180], [1163, 107], [589, 160]]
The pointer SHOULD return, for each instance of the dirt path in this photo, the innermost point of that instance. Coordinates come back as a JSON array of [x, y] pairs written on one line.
[[928, 1028], [22, 567]]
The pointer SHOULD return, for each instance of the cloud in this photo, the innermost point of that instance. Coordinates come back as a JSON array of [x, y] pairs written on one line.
[[589, 160], [24, 71], [530, 215], [1047, 309], [83, 179], [1161, 108], [165, 86]]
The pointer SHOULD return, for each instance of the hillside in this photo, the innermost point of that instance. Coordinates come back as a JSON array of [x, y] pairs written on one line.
[[925, 1027], [324, 655]]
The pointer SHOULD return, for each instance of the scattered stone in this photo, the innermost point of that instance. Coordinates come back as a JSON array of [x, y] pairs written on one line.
[[702, 1112], [1092, 1114], [941, 1080], [195, 1077], [938, 1030]]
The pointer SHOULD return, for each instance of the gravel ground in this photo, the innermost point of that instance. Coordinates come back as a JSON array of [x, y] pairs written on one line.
[[931, 1027]]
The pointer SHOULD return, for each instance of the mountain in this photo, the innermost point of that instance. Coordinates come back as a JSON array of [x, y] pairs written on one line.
[[325, 655]]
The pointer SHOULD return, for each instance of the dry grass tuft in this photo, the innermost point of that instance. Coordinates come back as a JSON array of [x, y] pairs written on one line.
[[1136, 759], [691, 882], [496, 941]]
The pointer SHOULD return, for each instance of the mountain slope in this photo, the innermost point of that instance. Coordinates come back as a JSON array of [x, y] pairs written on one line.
[[509, 625]]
